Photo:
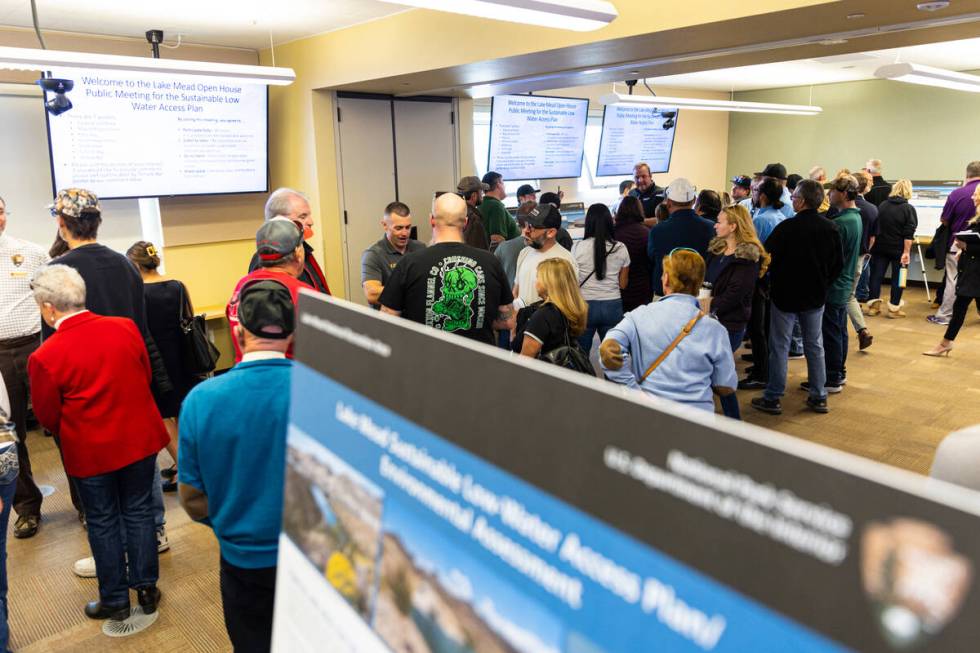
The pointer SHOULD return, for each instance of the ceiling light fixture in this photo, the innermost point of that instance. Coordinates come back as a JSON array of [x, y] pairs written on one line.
[[928, 76], [576, 15], [32, 59], [711, 105]]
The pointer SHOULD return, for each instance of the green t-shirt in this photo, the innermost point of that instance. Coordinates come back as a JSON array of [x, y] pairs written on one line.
[[848, 224], [497, 219]]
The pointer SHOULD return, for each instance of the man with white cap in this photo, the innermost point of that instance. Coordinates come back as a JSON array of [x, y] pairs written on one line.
[[684, 228]]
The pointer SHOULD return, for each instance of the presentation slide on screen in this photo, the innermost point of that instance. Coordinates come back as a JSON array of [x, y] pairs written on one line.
[[413, 522], [147, 135], [633, 133], [537, 137]]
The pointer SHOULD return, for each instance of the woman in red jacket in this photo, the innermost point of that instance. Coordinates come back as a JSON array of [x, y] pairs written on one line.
[[90, 385]]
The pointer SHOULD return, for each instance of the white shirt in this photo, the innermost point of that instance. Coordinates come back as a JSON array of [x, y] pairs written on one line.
[[595, 289], [19, 260], [60, 320], [527, 269], [261, 356]]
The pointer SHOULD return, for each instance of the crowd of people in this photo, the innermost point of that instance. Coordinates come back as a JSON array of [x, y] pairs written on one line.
[[663, 289]]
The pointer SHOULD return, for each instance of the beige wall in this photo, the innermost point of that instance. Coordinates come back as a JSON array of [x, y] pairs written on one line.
[[919, 132]]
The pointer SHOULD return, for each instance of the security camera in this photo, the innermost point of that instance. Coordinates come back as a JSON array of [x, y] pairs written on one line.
[[669, 123], [60, 102], [668, 114]]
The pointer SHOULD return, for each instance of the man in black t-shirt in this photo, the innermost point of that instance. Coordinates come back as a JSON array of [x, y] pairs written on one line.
[[450, 285]]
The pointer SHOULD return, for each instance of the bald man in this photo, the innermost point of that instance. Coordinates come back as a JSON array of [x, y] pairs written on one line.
[[450, 285]]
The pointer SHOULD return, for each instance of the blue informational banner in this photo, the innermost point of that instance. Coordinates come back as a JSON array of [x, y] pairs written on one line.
[[416, 521]]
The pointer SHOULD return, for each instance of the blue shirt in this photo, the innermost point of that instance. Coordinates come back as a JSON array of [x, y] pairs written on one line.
[[684, 228], [703, 359], [233, 448], [765, 220], [786, 198]]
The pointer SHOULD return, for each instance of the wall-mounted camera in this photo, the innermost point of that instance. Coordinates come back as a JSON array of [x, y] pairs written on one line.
[[59, 87], [669, 117]]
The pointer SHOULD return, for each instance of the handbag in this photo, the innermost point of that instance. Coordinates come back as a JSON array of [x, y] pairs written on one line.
[[569, 355], [199, 353]]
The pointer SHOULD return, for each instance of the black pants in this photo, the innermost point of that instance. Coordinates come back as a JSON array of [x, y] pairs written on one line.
[[960, 306], [13, 366], [247, 598], [759, 332]]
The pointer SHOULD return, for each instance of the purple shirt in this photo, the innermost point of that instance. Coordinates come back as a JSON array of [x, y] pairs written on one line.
[[959, 207]]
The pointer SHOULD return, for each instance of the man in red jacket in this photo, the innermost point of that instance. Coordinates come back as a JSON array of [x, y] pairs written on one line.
[[90, 385]]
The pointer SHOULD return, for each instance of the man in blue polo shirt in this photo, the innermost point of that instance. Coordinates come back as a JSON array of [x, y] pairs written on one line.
[[233, 460]]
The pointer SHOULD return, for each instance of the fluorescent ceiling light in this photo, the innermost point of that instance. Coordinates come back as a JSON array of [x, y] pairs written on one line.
[[710, 105], [916, 74], [577, 15], [33, 59]]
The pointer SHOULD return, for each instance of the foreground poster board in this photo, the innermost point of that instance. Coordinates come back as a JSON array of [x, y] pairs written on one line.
[[444, 497]]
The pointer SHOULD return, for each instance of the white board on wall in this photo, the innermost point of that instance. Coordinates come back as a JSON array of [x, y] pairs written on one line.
[[25, 176]]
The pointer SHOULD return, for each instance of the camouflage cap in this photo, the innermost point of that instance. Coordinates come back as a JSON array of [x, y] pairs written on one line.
[[75, 201]]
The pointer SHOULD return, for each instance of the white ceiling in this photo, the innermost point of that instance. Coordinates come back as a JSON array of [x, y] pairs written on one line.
[[954, 55], [237, 23]]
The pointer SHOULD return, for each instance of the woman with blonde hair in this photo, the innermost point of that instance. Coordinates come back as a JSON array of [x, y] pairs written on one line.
[[736, 260], [561, 315], [897, 221], [668, 349], [967, 279]]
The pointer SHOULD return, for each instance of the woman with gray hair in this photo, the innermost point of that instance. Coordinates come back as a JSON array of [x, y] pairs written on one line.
[[90, 386]]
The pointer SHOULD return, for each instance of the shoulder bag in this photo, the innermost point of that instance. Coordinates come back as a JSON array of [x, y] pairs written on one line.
[[569, 355], [666, 352], [200, 356]]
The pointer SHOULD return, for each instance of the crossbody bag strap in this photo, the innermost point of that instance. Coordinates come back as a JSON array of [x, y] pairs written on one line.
[[666, 352], [586, 279]]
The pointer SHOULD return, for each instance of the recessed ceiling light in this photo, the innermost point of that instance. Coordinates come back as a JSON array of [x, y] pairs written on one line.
[[847, 67], [633, 72], [857, 15], [932, 6], [832, 42]]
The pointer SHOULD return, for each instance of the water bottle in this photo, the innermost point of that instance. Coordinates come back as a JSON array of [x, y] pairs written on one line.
[[903, 276]]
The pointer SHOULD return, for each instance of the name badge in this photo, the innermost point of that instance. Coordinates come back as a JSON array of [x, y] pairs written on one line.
[[18, 273]]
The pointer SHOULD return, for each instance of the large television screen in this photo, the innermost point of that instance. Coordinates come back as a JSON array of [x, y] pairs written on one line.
[[537, 137], [631, 134], [150, 135]]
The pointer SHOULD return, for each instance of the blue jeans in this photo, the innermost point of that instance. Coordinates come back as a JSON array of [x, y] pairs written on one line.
[[863, 292], [879, 264], [797, 338], [118, 502], [780, 335], [835, 342], [604, 314], [8, 486], [159, 510], [729, 404]]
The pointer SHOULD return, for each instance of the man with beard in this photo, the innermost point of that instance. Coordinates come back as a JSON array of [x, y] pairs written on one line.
[[541, 233]]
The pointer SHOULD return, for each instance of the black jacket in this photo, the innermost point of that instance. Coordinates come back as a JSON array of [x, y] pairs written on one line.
[[880, 190], [114, 288], [968, 279], [897, 221], [731, 294], [807, 257]]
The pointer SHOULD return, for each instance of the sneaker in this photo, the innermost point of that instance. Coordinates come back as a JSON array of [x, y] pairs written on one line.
[[817, 405], [830, 388], [937, 320], [864, 339], [752, 384], [84, 568], [163, 544], [796, 355], [771, 406]]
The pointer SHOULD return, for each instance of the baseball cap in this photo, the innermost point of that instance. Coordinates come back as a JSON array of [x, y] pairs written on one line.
[[550, 198], [681, 191], [75, 201], [775, 170], [470, 184], [544, 216], [277, 239], [266, 310], [742, 180], [527, 189]]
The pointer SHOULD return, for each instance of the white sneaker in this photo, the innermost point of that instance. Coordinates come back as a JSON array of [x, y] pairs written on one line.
[[163, 544], [84, 568]]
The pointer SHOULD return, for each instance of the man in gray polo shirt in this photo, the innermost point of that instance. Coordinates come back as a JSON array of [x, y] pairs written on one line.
[[379, 260]]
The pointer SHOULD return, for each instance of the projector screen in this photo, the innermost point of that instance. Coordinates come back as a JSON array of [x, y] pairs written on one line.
[[149, 135], [631, 134], [537, 137]]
